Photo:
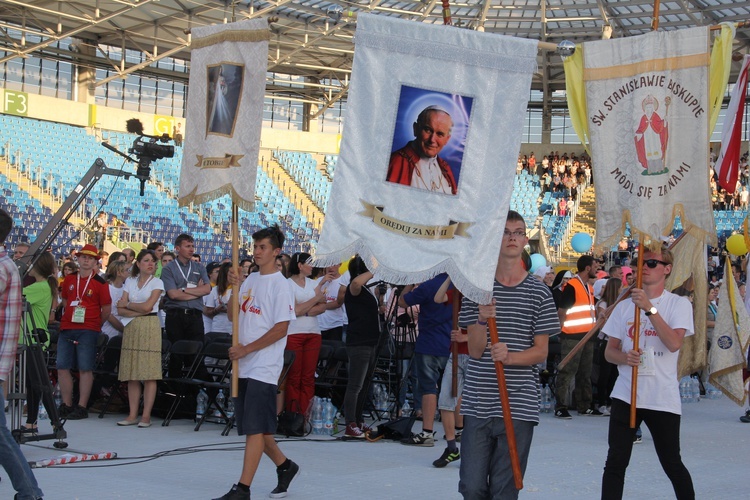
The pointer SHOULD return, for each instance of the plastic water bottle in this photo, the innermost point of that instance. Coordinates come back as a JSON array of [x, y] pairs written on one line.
[[57, 396], [220, 400], [696, 389], [406, 409], [230, 407], [546, 399], [327, 417], [200, 407], [685, 390], [42, 412], [317, 416]]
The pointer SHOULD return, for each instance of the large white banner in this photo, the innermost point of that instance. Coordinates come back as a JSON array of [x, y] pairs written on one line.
[[432, 135], [648, 118], [224, 113]]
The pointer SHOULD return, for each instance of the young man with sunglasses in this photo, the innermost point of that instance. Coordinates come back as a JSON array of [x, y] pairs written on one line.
[[665, 320]]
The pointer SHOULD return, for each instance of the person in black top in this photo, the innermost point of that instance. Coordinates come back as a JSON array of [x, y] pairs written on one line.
[[362, 337]]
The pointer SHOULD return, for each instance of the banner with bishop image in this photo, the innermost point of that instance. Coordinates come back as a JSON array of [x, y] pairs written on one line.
[[428, 153], [647, 110], [224, 113]]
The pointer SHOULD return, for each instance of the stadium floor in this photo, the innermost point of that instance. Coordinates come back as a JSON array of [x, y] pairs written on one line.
[[566, 462]]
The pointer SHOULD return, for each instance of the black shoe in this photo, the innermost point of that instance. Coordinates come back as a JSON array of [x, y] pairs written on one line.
[[235, 494], [286, 476], [64, 410], [421, 439], [563, 413], [591, 413], [746, 417], [78, 413], [447, 457]]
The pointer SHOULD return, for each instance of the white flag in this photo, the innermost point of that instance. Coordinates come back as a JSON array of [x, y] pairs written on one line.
[[225, 111], [429, 149], [648, 116], [726, 356]]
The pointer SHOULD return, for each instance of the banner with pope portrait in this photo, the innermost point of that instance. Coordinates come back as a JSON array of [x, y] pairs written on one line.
[[434, 124]]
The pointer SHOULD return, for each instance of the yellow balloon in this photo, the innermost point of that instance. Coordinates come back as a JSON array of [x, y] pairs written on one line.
[[344, 267], [736, 245]]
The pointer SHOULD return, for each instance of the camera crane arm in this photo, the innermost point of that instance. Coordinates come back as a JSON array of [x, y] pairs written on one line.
[[67, 209]]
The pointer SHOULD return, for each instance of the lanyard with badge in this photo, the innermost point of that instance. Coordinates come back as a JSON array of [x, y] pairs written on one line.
[[190, 270], [79, 312]]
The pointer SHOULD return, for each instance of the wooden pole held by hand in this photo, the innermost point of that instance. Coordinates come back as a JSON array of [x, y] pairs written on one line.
[[454, 345], [503, 389], [636, 334], [235, 298]]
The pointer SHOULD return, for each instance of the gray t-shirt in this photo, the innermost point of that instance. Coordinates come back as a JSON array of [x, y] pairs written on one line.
[[177, 276]]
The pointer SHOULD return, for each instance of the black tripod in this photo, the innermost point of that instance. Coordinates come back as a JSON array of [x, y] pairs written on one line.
[[31, 356]]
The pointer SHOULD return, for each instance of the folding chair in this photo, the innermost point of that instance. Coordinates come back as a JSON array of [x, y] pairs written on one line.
[[190, 349], [219, 369], [107, 371]]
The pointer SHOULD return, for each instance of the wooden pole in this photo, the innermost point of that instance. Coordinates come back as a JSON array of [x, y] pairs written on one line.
[[235, 298], [597, 326], [636, 334], [454, 345], [503, 389], [447, 13], [655, 19]]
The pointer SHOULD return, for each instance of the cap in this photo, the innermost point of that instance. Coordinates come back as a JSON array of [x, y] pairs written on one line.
[[89, 250], [542, 271], [211, 266], [568, 274]]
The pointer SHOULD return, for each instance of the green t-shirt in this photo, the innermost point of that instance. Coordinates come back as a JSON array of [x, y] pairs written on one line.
[[39, 297]]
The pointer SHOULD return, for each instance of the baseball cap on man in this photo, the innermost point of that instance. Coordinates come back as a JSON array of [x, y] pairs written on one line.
[[89, 250]]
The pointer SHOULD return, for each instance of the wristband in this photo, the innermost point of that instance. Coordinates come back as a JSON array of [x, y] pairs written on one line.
[[483, 323]]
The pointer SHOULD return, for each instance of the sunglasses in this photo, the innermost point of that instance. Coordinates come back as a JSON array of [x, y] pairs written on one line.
[[651, 263]]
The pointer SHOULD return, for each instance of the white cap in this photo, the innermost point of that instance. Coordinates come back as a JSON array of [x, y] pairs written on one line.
[[542, 271]]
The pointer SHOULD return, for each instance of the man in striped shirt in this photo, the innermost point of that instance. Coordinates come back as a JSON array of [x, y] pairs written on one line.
[[526, 317], [11, 457]]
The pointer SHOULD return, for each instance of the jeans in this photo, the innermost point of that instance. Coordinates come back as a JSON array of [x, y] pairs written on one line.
[[13, 461], [361, 358], [578, 371], [486, 471], [665, 430]]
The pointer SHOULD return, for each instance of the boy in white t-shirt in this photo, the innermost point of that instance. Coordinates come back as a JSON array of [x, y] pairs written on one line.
[[665, 320], [266, 308]]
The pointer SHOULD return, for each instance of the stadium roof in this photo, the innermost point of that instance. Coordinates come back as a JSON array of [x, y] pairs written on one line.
[[314, 39]]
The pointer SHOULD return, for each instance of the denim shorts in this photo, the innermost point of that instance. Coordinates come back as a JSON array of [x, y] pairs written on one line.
[[447, 401], [77, 349], [429, 369], [255, 407]]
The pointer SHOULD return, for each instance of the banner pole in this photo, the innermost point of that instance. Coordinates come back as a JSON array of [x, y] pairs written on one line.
[[235, 298], [507, 418], [636, 333], [454, 345]]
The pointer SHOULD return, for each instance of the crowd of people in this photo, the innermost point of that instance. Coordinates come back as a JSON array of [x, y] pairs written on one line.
[[287, 304]]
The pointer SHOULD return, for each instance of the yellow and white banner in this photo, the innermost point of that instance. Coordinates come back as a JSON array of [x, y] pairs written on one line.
[[647, 117], [432, 135], [729, 341], [225, 111]]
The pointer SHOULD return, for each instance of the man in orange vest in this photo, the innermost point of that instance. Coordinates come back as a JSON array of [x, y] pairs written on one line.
[[577, 314]]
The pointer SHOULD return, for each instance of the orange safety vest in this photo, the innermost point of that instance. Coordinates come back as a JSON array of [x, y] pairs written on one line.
[[582, 316]]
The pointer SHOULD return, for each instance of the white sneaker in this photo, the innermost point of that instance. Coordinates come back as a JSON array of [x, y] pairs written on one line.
[[604, 410]]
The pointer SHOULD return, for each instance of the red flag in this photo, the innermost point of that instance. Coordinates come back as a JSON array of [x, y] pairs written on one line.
[[728, 164]]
